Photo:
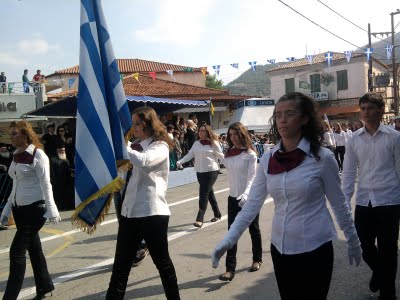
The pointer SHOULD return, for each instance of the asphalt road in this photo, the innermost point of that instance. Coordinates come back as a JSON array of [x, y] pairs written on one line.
[[80, 264]]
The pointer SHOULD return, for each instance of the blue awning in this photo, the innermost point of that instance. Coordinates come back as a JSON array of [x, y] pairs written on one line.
[[167, 100]]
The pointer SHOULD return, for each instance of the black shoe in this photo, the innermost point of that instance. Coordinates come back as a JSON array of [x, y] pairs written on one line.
[[215, 219], [228, 276], [198, 224], [373, 283], [140, 255], [42, 295], [255, 266]]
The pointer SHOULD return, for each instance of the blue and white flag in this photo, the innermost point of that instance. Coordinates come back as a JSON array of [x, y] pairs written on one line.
[[389, 49], [310, 58], [236, 66], [328, 58], [290, 58], [271, 61], [368, 53], [103, 119], [348, 54], [253, 65], [216, 69], [71, 82]]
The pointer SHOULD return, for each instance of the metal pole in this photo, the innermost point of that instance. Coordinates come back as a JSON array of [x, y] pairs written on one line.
[[370, 87], [395, 96]]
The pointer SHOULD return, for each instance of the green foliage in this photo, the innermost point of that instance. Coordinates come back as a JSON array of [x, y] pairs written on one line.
[[213, 83]]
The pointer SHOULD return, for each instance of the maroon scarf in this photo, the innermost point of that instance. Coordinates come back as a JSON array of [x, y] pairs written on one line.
[[285, 161], [233, 152], [137, 147], [24, 157], [205, 142]]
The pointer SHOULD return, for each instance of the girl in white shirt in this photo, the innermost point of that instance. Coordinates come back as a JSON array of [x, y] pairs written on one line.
[[31, 201], [241, 163], [205, 152], [145, 213], [300, 175], [329, 140], [340, 140]]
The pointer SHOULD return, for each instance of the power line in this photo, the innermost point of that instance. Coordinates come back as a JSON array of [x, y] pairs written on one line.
[[318, 25]]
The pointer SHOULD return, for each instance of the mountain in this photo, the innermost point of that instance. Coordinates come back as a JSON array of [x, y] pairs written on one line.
[[380, 51]]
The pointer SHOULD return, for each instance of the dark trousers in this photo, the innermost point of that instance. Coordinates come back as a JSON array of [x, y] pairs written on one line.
[[29, 220], [380, 224], [306, 275], [254, 229], [131, 232], [339, 155], [206, 194]]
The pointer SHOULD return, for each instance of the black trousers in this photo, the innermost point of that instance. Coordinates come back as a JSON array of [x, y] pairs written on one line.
[[131, 232], [29, 220], [380, 224], [206, 194], [304, 276], [339, 155], [254, 229]]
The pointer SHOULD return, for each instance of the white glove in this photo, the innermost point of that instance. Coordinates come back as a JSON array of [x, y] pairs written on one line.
[[242, 200], [218, 252], [55, 220], [178, 164], [4, 220], [354, 254]]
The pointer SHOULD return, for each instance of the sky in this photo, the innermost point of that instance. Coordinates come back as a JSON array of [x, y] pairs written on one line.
[[44, 34]]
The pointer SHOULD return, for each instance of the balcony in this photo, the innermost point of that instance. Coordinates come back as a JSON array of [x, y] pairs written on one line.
[[11, 88]]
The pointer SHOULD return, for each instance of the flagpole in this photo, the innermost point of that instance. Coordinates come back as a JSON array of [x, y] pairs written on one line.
[[209, 112]]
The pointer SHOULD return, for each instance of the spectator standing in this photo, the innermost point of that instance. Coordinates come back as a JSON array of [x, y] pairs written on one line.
[[347, 131], [50, 140], [37, 78], [25, 81], [340, 141], [357, 125], [397, 123], [375, 151], [3, 80], [182, 125]]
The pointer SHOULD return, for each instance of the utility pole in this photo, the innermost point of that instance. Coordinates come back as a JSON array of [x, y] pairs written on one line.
[[395, 92], [370, 87]]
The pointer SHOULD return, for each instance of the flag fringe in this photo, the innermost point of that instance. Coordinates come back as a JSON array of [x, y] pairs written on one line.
[[112, 187]]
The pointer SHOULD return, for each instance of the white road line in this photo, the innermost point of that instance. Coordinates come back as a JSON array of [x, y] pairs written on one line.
[[57, 236], [108, 262]]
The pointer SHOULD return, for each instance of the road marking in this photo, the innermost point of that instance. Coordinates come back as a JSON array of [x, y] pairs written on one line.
[[108, 262], [67, 233]]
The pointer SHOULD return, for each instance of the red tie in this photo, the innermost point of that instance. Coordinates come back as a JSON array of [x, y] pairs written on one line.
[[205, 142], [285, 161], [137, 147], [233, 152]]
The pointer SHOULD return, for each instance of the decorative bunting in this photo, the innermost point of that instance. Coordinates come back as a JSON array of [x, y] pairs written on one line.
[[368, 53], [290, 58], [271, 61], [136, 76], [310, 58], [235, 66], [153, 75], [188, 69], [204, 71], [71, 82], [253, 65], [121, 77], [389, 49], [348, 54], [328, 58], [171, 73], [216, 69]]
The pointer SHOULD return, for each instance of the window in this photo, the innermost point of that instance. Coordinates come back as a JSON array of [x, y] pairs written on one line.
[[315, 80], [289, 85], [342, 83]]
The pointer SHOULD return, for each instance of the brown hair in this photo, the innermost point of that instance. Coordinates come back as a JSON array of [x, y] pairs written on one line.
[[243, 136], [26, 129], [210, 134], [153, 126], [336, 125]]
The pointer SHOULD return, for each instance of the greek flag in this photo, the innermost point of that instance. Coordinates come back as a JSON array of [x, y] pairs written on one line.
[[103, 119]]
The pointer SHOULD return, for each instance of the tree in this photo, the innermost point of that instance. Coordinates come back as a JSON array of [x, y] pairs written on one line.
[[213, 82]]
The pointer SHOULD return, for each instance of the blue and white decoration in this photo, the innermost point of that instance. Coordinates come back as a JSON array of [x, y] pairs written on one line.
[[368, 53], [389, 49], [103, 119], [348, 55], [328, 58], [216, 69], [310, 58], [236, 66], [271, 61], [71, 82], [290, 58], [253, 65]]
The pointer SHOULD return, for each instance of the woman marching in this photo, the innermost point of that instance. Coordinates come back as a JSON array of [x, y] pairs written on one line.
[[205, 151], [241, 162], [329, 140], [145, 213], [31, 202], [300, 175], [340, 141]]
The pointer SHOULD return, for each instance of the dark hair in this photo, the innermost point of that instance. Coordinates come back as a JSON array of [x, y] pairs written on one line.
[[243, 135], [373, 97], [210, 134], [170, 127], [153, 126], [337, 125], [59, 128], [176, 132], [192, 115], [181, 120], [312, 131]]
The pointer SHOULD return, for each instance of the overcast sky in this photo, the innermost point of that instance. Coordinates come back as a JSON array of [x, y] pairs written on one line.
[[44, 34]]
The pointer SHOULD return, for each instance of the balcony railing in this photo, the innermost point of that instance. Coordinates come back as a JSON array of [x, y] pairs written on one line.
[[21, 87]]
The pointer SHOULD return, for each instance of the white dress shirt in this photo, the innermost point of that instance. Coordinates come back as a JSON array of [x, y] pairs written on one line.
[[340, 138], [147, 187], [348, 134], [301, 221], [205, 157], [378, 160], [241, 172], [329, 140], [31, 183]]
